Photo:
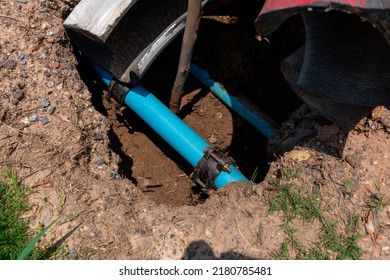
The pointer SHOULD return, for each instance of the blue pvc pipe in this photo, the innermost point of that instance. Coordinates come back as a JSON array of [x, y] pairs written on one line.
[[239, 103], [171, 128]]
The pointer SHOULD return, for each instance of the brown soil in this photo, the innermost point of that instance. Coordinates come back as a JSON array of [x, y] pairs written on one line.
[[122, 193]]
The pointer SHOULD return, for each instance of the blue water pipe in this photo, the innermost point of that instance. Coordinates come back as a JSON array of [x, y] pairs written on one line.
[[238, 103], [171, 128]]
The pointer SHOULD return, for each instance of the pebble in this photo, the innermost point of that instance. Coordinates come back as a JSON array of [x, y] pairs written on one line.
[[9, 64], [208, 233], [55, 22], [21, 55], [32, 118], [23, 62], [45, 25], [45, 121], [22, 1], [50, 84], [43, 10], [24, 75], [18, 94], [213, 139], [45, 102], [219, 116], [100, 162], [60, 86], [353, 160], [50, 110], [98, 137], [73, 254], [55, 65]]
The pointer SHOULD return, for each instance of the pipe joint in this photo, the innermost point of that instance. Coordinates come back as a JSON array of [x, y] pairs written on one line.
[[118, 92], [210, 166]]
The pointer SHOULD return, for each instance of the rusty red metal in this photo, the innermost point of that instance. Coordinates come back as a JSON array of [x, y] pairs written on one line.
[[275, 12], [272, 5]]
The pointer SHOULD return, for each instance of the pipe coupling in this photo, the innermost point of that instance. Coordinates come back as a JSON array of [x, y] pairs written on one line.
[[210, 166]]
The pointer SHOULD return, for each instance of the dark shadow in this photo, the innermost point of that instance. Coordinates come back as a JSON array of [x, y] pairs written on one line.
[[126, 163], [188, 108], [201, 250], [96, 88], [53, 249]]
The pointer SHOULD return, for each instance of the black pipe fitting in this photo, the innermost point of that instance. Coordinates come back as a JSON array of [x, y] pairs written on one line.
[[210, 166]]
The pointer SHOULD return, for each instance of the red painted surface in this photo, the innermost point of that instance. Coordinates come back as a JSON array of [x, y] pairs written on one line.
[[272, 5]]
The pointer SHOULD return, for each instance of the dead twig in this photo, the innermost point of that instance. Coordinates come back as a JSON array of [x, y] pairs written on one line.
[[11, 17], [194, 14], [243, 237]]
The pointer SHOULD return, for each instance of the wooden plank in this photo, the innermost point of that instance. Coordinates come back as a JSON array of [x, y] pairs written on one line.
[[97, 18]]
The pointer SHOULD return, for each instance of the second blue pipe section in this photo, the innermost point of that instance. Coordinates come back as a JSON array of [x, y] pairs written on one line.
[[171, 128], [239, 103]]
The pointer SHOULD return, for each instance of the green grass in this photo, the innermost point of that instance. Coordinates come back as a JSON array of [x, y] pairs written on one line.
[[14, 236], [376, 200], [333, 242]]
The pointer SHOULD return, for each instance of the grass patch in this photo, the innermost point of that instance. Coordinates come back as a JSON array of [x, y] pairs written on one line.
[[333, 242], [376, 200], [14, 236]]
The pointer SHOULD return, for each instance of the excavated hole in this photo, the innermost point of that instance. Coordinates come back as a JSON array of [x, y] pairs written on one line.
[[243, 65]]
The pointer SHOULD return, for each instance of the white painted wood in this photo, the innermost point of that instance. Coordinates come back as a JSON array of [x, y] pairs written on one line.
[[97, 18]]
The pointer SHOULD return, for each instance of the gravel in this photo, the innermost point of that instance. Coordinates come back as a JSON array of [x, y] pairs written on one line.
[[50, 110], [45, 121], [9, 64], [32, 118], [45, 102]]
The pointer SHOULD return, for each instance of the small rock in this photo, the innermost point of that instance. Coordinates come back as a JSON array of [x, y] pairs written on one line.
[[55, 22], [73, 254], [353, 160], [100, 162], [219, 116], [32, 118], [23, 62], [45, 121], [60, 86], [208, 233], [98, 137], [43, 10], [43, 56], [55, 65], [22, 1], [213, 139], [50, 110], [50, 84], [45, 102], [9, 64], [21, 55], [24, 75], [298, 155], [45, 25], [18, 94]]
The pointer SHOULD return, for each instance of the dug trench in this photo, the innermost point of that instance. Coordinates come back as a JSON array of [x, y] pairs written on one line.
[[243, 63]]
